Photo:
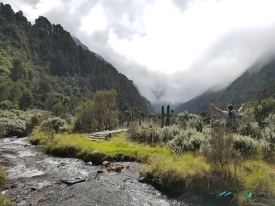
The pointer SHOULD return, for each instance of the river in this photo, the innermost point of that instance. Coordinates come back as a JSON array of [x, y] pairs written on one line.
[[40, 180]]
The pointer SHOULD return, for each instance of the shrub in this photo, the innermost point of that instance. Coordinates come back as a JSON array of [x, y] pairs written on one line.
[[56, 124], [168, 133], [218, 148], [249, 130], [145, 132], [188, 140], [14, 127], [244, 144]]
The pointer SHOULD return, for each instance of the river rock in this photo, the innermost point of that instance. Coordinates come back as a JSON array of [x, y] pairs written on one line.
[[117, 168], [23, 203], [89, 163], [106, 163], [142, 179], [72, 180]]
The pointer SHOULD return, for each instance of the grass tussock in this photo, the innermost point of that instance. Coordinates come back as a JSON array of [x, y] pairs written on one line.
[[2, 177], [4, 201], [78, 145], [179, 173]]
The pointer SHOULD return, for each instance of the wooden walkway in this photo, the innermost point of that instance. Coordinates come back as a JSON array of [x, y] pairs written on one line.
[[103, 135]]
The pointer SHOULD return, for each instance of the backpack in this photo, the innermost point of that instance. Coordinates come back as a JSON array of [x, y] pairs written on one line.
[[233, 120]]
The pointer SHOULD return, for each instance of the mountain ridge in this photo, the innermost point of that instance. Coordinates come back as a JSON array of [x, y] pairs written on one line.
[[45, 66], [244, 88]]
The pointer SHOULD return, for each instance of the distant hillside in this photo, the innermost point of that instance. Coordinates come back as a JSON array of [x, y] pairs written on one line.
[[42, 65], [249, 86]]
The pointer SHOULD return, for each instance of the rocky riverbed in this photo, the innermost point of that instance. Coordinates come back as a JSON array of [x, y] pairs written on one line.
[[39, 179]]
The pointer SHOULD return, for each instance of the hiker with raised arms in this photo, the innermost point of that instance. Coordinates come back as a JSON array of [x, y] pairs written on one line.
[[231, 115]]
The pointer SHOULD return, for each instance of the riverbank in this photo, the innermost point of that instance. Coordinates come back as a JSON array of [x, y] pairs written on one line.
[[35, 178], [180, 173], [4, 201]]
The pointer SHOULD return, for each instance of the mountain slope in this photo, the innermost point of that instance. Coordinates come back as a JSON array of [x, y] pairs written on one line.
[[43, 64], [243, 89]]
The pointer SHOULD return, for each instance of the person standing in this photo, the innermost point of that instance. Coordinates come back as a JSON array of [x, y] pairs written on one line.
[[230, 115]]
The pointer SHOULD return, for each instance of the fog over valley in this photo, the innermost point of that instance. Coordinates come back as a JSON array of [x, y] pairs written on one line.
[[172, 50]]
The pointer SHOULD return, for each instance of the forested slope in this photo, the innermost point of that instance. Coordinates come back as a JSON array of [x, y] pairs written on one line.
[[250, 86], [41, 66]]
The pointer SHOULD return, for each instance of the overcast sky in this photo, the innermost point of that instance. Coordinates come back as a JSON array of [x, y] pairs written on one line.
[[181, 47]]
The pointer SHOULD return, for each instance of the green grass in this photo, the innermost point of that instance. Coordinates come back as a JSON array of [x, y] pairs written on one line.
[[78, 145], [179, 173], [4, 201], [2, 177]]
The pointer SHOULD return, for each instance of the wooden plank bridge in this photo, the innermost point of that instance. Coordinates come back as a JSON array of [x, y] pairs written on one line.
[[103, 135]]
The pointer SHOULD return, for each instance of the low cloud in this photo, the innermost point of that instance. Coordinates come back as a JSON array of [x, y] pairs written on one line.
[[172, 50]]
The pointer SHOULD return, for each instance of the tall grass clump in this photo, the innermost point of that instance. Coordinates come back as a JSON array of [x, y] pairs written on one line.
[[218, 148], [4, 201], [2, 177], [180, 173]]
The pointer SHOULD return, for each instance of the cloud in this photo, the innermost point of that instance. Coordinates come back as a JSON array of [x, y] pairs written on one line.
[[182, 48]]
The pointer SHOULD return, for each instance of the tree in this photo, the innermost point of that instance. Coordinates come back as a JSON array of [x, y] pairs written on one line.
[[98, 114], [59, 108], [26, 100], [85, 117], [17, 71], [106, 108]]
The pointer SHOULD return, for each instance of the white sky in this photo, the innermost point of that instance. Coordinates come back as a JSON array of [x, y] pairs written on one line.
[[183, 47]]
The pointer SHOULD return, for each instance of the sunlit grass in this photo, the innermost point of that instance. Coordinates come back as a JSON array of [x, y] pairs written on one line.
[[78, 145], [4, 201], [258, 176], [180, 173], [2, 177]]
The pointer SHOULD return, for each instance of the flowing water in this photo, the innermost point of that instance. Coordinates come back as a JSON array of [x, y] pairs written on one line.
[[38, 179]]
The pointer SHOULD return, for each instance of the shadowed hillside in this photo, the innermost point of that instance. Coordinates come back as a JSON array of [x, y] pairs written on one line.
[[247, 87], [41, 65]]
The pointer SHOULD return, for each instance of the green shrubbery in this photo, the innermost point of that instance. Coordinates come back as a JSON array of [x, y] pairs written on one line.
[[55, 123], [20, 123], [214, 141]]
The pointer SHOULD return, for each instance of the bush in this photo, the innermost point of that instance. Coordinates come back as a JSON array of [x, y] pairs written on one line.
[[145, 132], [189, 140], [14, 127], [249, 130], [218, 148], [56, 124], [168, 133], [244, 144]]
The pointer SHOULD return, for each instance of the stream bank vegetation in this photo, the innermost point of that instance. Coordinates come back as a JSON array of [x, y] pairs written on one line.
[[4, 201], [193, 152]]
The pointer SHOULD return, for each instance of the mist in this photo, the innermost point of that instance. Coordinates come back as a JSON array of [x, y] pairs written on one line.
[[172, 50]]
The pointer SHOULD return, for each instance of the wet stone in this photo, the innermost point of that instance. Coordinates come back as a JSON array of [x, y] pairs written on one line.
[[70, 181]]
